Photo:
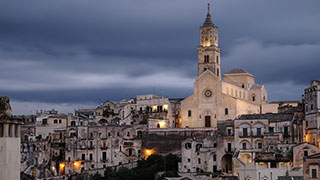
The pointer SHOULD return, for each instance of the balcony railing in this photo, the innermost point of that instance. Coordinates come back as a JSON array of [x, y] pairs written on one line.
[[229, 150]]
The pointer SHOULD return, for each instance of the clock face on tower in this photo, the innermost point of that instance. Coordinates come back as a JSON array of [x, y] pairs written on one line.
[[208, 93]]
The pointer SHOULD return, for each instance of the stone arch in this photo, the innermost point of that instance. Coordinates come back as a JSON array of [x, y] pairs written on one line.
[[226, 163], [102, 121]]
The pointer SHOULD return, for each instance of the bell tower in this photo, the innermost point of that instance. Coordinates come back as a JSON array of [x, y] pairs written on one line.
[[209, 51]]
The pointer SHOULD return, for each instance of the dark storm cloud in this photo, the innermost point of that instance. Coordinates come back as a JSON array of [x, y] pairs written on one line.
[[80, 51]]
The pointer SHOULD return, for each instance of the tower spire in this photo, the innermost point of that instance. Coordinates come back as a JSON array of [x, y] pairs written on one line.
[[208, 21]]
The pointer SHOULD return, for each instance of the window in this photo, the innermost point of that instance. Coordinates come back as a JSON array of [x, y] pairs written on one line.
[[91, 157], [271, 130], [253, 97], [217, 59], [244, 145], [189, 113], [214, 145], [214, 168], [128, 133], [44, 121], [229, 132], [305, 153], [55, 121], [198, 146], [242, 86], [206, 58], [218, 72], [226, 111], [245, 132], [273, 165], [187, 145], [73, 123], [229, 147], [259, 145], [307, 123], [104, 155], [214, 157], [199, 161], [139, 134], [258, 131], [311, 107], [60, 121], [83, 157], [286, 131], [189, 160], [314, 173]]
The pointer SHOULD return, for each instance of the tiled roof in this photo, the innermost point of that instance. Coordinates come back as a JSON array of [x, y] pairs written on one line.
[[237, 71], [272, 117]]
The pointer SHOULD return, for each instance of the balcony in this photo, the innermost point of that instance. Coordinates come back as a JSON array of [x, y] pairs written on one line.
[[103, 147], [229, 150], [91, 147], [104, 160], [244, 135], [258, 136]]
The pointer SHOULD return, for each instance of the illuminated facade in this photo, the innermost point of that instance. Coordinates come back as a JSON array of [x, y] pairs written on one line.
[[216, 99], [312, 113]]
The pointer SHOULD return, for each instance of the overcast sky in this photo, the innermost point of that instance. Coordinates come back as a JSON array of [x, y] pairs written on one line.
[[68, 54]]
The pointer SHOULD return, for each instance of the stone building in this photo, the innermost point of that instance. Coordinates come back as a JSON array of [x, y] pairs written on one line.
[[312, 113], [215, 98], [236, 143], [9, 142], [301, 151], [212, 153], [264, 166], [268, 132], [311, 167], [102, 146]]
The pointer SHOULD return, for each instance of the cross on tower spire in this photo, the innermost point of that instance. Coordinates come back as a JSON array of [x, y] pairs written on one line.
[[208, 7]]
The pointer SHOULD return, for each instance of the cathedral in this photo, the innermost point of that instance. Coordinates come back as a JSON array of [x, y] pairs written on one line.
[[216, 97]]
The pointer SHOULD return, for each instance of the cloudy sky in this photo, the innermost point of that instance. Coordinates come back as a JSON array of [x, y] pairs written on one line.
[[68, 54]]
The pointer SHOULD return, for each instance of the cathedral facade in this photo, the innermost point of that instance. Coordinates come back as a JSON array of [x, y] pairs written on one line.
[[218, 97]]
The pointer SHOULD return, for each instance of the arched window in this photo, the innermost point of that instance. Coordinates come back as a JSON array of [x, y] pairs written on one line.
[[187, 145], [226, 111], [218, 59], [198, 146], [73, 123], [189, 113], [253, 97], [206, 58]]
